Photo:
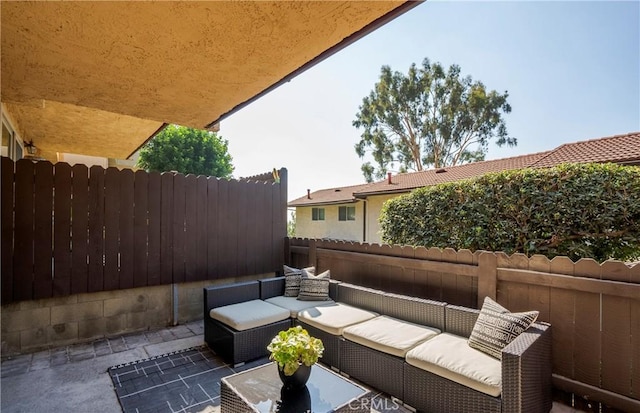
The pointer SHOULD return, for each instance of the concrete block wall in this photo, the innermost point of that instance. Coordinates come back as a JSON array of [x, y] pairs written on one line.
[[35, 325]]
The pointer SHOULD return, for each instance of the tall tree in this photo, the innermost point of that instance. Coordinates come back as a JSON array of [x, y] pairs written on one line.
[[188, 151], [429, 117]]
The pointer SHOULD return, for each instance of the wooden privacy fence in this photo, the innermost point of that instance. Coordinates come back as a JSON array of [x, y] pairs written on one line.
[[68, 230], [594, 309]]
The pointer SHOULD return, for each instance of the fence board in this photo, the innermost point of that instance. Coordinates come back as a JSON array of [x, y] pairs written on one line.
[[466, 285], [539, 295], [450, 292], [616, 344], [111, 229], [616, 271], [587, 338], [96, 228], [178, 223], [201, 227], [421, 277], [23, 246], [224, 225], [166, 229], [62, 230], [6, 226], [562, 306], [126, 245], [279, 230], [242, 198], [79, 229], [141, 224], [233, 216], [635, 345], [436, 290], [154, 211], [263, 228], [191, 229], [43, 230], [213, 268]]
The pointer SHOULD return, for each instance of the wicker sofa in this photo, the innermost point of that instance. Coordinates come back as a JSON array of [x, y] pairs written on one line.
[[359, 329]]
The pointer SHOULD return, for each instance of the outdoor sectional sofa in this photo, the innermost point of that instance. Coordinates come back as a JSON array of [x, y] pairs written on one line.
[[413, 349]]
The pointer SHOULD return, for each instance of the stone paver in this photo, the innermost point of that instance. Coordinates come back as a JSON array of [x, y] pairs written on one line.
[[59, 356]]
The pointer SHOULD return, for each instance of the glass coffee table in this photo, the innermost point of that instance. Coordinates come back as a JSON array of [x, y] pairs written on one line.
[[260, 390]]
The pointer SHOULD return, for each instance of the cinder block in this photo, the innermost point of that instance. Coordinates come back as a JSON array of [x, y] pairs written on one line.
[[125, 305], [57, 301], [33, 338], [63, 332], [160, 299], [10, 343], [137, 321], [189, 312], [11, 307], [88, 329], [25, 319], [115, 324], [31, 304], [99, 296], [76, 312]]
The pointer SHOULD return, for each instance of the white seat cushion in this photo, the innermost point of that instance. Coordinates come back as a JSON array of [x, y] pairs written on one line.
[[294, 305], [249, 314], [334, 318], [450, 356], [389, 335]]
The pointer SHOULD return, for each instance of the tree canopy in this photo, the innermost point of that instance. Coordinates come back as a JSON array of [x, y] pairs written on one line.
[[188, 151], [429, 117]]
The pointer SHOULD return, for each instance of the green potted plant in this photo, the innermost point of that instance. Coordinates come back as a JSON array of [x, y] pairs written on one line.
[[295, 351]]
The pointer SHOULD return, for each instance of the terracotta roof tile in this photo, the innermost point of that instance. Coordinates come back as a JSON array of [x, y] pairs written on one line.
[[619, 148], [412, 180], [340, 195]]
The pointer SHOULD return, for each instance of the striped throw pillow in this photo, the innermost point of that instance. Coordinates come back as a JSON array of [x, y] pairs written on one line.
[[292, 280], [314, 287], [496, 327]]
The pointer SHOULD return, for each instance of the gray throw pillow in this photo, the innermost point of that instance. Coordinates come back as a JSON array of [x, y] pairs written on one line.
[[314, 287], [496, 327], [292, 280]]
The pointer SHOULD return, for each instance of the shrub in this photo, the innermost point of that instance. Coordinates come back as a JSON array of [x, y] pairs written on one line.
[[577, 210]]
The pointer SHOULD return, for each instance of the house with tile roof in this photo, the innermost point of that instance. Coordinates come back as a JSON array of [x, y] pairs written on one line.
[[351, 213]]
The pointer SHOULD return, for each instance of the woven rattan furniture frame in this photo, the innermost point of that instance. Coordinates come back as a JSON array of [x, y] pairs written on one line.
[[526, 374], [381, 370], [237, 346], [331, 355]]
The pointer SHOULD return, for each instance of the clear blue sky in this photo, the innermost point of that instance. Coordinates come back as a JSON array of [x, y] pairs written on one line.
[[572, 70]]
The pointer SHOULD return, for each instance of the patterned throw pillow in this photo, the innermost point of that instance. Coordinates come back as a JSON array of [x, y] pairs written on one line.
[[314, 287], [292, 280], [496, 327]]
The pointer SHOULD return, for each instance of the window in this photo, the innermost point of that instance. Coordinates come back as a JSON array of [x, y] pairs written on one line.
[[317, 214], [346, 213], [11, 146]]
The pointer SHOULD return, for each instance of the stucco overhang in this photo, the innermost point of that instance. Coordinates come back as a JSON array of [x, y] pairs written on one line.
[[129, 67]]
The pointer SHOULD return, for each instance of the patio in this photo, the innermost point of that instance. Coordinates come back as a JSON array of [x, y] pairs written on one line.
[[75, 379]]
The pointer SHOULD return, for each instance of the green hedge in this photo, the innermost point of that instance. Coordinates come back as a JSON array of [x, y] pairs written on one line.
[[575, 210]]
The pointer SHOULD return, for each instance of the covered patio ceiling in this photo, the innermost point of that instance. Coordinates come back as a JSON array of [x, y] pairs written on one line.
[[100, 78]]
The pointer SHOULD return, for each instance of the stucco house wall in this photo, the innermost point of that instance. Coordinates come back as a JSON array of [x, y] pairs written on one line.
[[331, 227], [374, 207]]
